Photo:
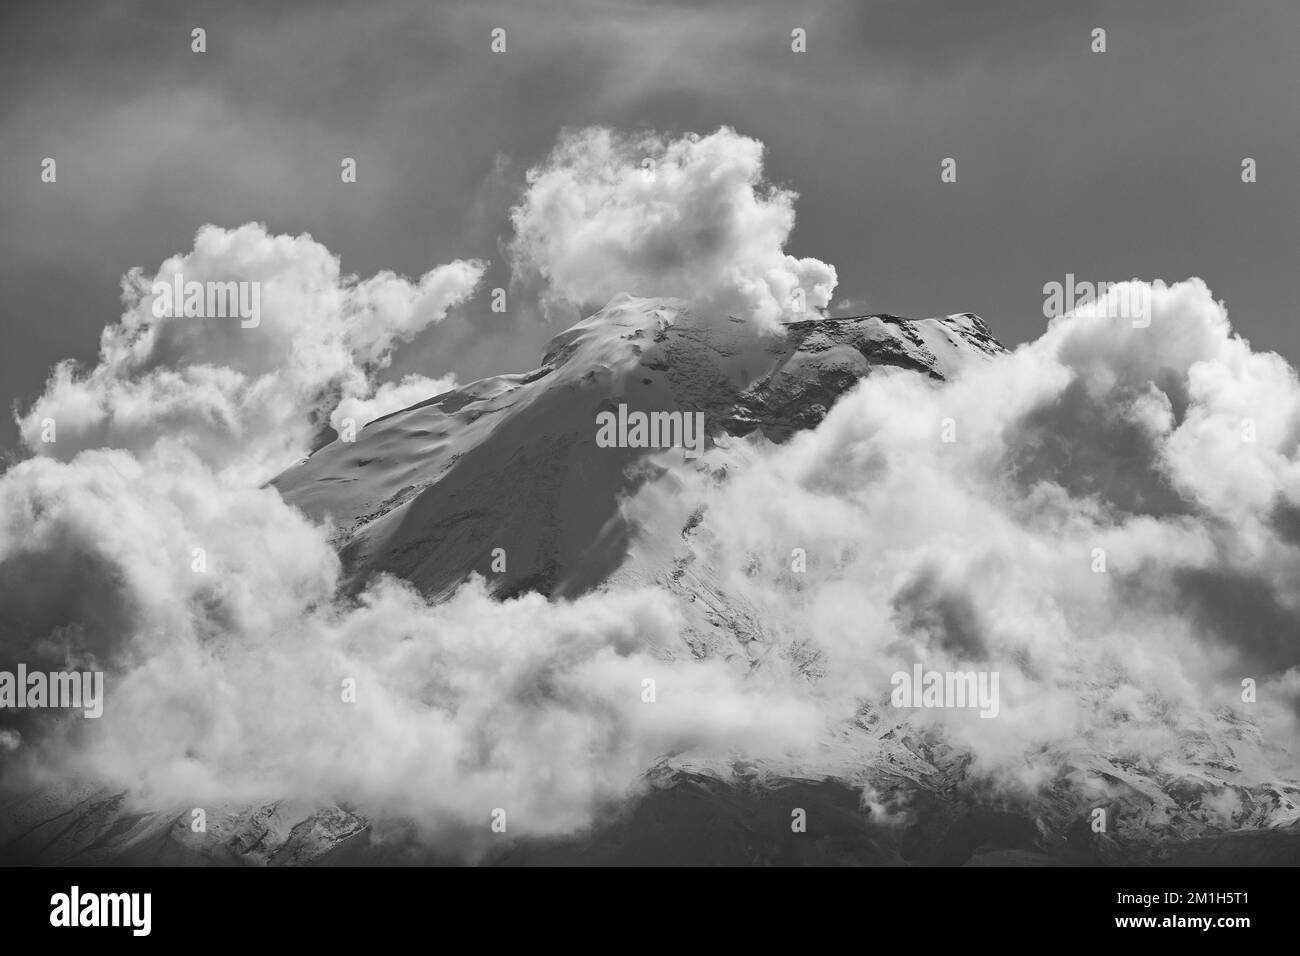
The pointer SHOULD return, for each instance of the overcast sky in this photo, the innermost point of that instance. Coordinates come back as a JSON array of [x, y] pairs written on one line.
[[1109, 166]]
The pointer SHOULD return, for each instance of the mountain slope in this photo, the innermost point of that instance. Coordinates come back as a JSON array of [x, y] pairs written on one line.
[[509, 462]]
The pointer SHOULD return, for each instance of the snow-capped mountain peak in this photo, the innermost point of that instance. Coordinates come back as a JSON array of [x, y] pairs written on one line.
[[427, 493]]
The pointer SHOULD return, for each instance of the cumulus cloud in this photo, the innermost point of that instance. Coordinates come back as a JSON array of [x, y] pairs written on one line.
[[1165, 455], [227, 684], [690, 218], [247, 397]]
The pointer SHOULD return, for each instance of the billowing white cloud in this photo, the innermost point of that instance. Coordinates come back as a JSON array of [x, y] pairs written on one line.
[[247, 395], [1114, 528], [228, 683], [691, 218]]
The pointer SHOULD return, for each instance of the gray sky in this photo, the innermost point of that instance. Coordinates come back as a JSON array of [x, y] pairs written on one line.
[[1108, 165]]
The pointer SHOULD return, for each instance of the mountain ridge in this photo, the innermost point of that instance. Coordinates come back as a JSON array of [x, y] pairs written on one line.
[[509, 447]]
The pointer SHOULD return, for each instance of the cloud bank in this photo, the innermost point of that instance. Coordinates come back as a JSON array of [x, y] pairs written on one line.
[[248, 400], [1112, 528], [229, 685]]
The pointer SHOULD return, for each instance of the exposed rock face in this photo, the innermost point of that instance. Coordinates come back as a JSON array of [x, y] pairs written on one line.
[[823, 358]]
